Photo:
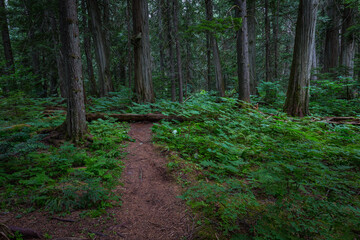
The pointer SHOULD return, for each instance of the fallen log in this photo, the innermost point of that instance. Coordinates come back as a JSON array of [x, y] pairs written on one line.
[[343, 120], [130, 117], [26, 233]]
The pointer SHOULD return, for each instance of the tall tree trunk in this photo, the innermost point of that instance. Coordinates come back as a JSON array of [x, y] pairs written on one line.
[[267, 43], [314, 64], [208, 56], [87, 50], [170, 37], [143, 78], [102, 48], [59, 56], [252, 45], [348, 47], [347, 41], [297, 96], [276, 8], [242, 50], [331, 51], [129, 32], [161, 37], [188, 75], [178, 48], [9, 58], [219, 80], [75, 118]]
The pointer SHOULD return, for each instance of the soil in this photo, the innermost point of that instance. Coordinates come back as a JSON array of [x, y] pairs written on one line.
[[150, 209]]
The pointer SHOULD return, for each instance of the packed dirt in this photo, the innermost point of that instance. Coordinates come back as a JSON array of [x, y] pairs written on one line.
[[150, 209]]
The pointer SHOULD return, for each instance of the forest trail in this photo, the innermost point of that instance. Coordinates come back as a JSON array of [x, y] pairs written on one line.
[[151, 209]]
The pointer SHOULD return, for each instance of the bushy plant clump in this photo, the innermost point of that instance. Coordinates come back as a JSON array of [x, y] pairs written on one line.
[[34, 175], [268, 176]]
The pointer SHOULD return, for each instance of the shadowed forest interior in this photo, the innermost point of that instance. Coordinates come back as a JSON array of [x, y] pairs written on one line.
[[180, 119]]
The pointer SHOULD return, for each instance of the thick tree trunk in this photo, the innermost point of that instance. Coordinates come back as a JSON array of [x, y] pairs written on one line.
[[143, 78], [178, 48], [102, 48], [252, 45], [297, 96], [242, 49], [87, 50], [9, 58], [219, 80], [267, 43], [331, 51], [75, 118]]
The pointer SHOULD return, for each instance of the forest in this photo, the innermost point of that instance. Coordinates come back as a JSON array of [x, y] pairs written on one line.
[[180, 119]]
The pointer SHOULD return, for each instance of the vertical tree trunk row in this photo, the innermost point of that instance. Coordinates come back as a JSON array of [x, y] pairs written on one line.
[[102, 48], [219, 80], [87, 50]]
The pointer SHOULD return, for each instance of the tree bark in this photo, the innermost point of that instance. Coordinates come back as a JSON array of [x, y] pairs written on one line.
[[129, 32], [219, 80], [242, 49], [276, 8], [170, 37], [143, 78], [102, 47], [267, 43], [331, 51], [9, 58], [161, 37], [75, 119], [87, 50], [178, 48], [297, 96], [252, 45], [347, 42]]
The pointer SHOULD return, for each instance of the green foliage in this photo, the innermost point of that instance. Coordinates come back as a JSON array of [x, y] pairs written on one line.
[[271, 177], [337, 97], [64, 178]]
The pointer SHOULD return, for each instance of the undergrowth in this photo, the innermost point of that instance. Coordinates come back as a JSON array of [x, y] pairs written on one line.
[[35, 175], [267, 176]]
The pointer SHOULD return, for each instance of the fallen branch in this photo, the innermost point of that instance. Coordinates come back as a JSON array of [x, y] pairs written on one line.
[[26, 233], [343, 120], [129, 117]]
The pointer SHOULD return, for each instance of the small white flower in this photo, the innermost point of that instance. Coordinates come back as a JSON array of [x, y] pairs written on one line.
[[174, 132]]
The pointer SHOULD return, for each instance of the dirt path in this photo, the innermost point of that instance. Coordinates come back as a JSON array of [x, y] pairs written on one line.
[[150, 206], [150, 209]]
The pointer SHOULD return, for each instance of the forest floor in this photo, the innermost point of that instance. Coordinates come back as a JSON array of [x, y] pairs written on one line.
[[150, 207]]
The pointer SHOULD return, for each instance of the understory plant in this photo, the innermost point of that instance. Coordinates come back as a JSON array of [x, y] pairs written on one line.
[[268, 176]]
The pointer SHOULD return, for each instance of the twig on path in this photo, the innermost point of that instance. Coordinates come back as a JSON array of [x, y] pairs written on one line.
[[63, 220]]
